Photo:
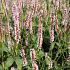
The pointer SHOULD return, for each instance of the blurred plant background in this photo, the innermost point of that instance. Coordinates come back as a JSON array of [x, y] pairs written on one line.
[[34, 34]]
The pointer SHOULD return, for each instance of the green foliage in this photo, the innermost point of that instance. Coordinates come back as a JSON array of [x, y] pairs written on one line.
[[1, 67], [19, 63], [4, 20], [9, 62]]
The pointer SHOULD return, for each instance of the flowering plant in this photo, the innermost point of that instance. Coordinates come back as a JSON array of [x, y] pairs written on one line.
[[34, 35]]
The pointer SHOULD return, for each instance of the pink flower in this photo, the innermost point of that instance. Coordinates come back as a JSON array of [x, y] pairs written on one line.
[[56, 2], [64, 15], [28, 2], [33, 58], [34, 66], [20, 2], [34, 5], [15, 16], [28, 25], [32, 55], [51, 30], [40, 39], [7, 4], [29, 19], [22, 53]]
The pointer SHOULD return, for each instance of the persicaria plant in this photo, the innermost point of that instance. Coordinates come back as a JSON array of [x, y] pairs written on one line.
[[34, 34]]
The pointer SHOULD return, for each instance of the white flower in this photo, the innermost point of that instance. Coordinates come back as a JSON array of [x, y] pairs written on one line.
[[12, 68]]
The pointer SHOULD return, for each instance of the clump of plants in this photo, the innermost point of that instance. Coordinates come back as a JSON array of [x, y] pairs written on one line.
[[34, 35]]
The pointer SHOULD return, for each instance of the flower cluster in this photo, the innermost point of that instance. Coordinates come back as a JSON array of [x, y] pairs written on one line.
[[28, 25], [7, 4], [33, 58], [40, 39], [52, 17], [15, 16], [64, 15], [22, 53], [56, 3], [20, 2]]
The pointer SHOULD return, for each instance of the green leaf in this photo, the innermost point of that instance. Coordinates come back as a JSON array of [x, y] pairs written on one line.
[[68, 63], [57, 44], [33, 38], [1, 67], [0, 44], [59, 50], [58, 67], [4, 19], [40, 54], [4, 48], [29, 68], [9, 62], [52, 45], [0, 48], [47, 61], [19, 63]]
